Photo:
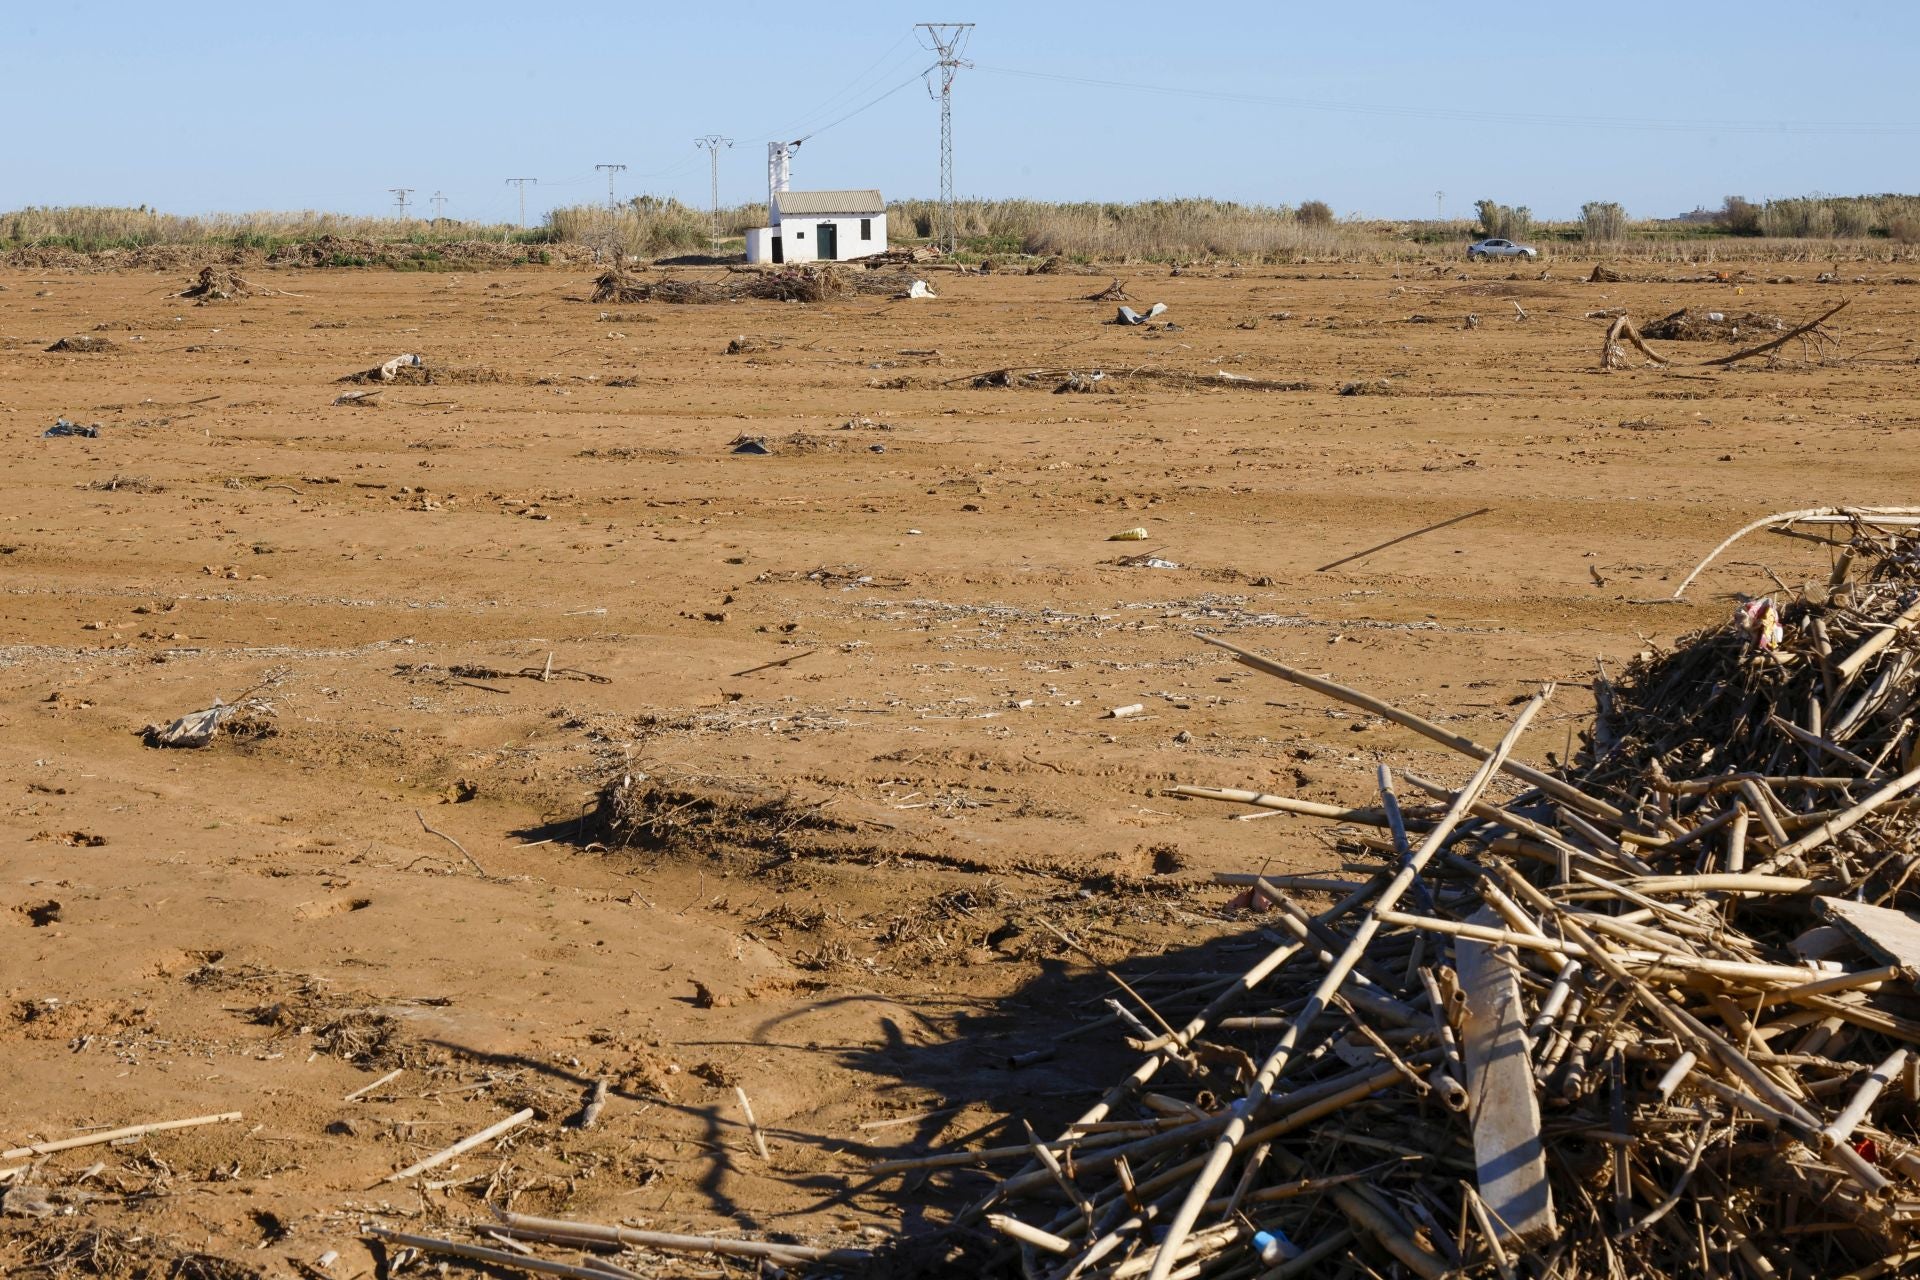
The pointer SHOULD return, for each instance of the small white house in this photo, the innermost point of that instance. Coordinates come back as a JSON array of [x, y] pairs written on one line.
[[820, 226]]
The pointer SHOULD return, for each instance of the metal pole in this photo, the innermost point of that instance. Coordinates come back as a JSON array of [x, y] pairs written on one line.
[[523, 197], [711, 144]]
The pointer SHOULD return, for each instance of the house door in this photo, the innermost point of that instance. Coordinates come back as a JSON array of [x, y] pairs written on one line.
[[779, 251], [827, 247]]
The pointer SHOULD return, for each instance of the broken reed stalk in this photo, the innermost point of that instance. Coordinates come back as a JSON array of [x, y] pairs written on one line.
[[563, 1231], [368, 1088], [753, 1125], [495, 1257], [465, 1144], [114, 1135], [1277, 1061]]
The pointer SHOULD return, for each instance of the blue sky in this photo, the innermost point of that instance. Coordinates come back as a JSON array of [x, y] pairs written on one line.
[[1372, 107]]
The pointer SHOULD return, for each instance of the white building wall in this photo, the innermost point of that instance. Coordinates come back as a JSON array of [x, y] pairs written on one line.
[[800, 237]]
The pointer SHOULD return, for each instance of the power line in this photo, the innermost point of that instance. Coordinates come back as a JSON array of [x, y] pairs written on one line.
[[523, 197], [1788, 127], [949, 39], [439, 199], [711, 144], [611, 170], [873, 103], [400, 195]]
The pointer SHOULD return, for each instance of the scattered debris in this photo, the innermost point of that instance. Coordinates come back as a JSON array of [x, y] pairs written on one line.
[[1127, 315], [918, 289], [61, 427], [391, 371], [1370, 387], [1114, 292], [1688, 325], [749, 444], [1603, 275], [1128, 535], [217, 284], [83, 344], [248, 717], [1073, 380], [787, 284]]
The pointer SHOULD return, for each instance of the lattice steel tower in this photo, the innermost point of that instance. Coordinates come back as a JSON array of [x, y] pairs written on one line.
[[949, 40]]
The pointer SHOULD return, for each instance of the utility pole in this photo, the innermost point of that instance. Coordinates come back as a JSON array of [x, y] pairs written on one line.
[[439, 199], [949, 39], [711, 144], [523, 197], [1439, 206], [400, 195], [611, 170]]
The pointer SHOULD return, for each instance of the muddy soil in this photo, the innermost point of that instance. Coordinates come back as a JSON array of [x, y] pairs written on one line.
[[577, 746]]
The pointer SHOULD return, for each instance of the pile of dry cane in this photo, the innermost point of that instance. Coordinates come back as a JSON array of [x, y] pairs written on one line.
[[1651, 1017], [791, 284]]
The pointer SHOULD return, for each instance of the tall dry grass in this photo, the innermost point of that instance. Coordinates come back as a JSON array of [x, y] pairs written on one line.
[[1809, 229], [88, 229], [1152, 229]]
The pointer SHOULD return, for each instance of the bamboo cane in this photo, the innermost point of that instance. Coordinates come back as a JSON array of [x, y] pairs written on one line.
[[1277, 1061]]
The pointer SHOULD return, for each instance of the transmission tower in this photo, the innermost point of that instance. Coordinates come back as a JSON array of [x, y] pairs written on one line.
[[400, 195], [439, 199], [523, 197], [1439, 206], [711, 144], [611, 170], [949, 41]]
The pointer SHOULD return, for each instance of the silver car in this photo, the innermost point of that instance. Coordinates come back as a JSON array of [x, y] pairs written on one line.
[[1499, 249]]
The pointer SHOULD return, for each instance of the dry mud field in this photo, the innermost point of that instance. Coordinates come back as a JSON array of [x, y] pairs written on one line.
[[858, 688]]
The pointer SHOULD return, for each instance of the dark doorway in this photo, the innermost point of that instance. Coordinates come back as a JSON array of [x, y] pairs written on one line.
[[828, 247], [779, 250]]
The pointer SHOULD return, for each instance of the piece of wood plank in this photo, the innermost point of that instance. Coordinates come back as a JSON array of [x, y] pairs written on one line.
[[1505, 1110], [1890, 936]]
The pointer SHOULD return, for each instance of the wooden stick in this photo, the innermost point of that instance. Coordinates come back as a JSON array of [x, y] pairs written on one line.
[[1277, 1061], [777, 662], [450, 840], [366, 1089], [466, 1144], [1382, 546], [114, 1135], [560, 1229]]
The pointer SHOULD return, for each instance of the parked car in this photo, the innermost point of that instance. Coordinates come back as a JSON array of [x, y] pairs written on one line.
[[1499, 249]]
